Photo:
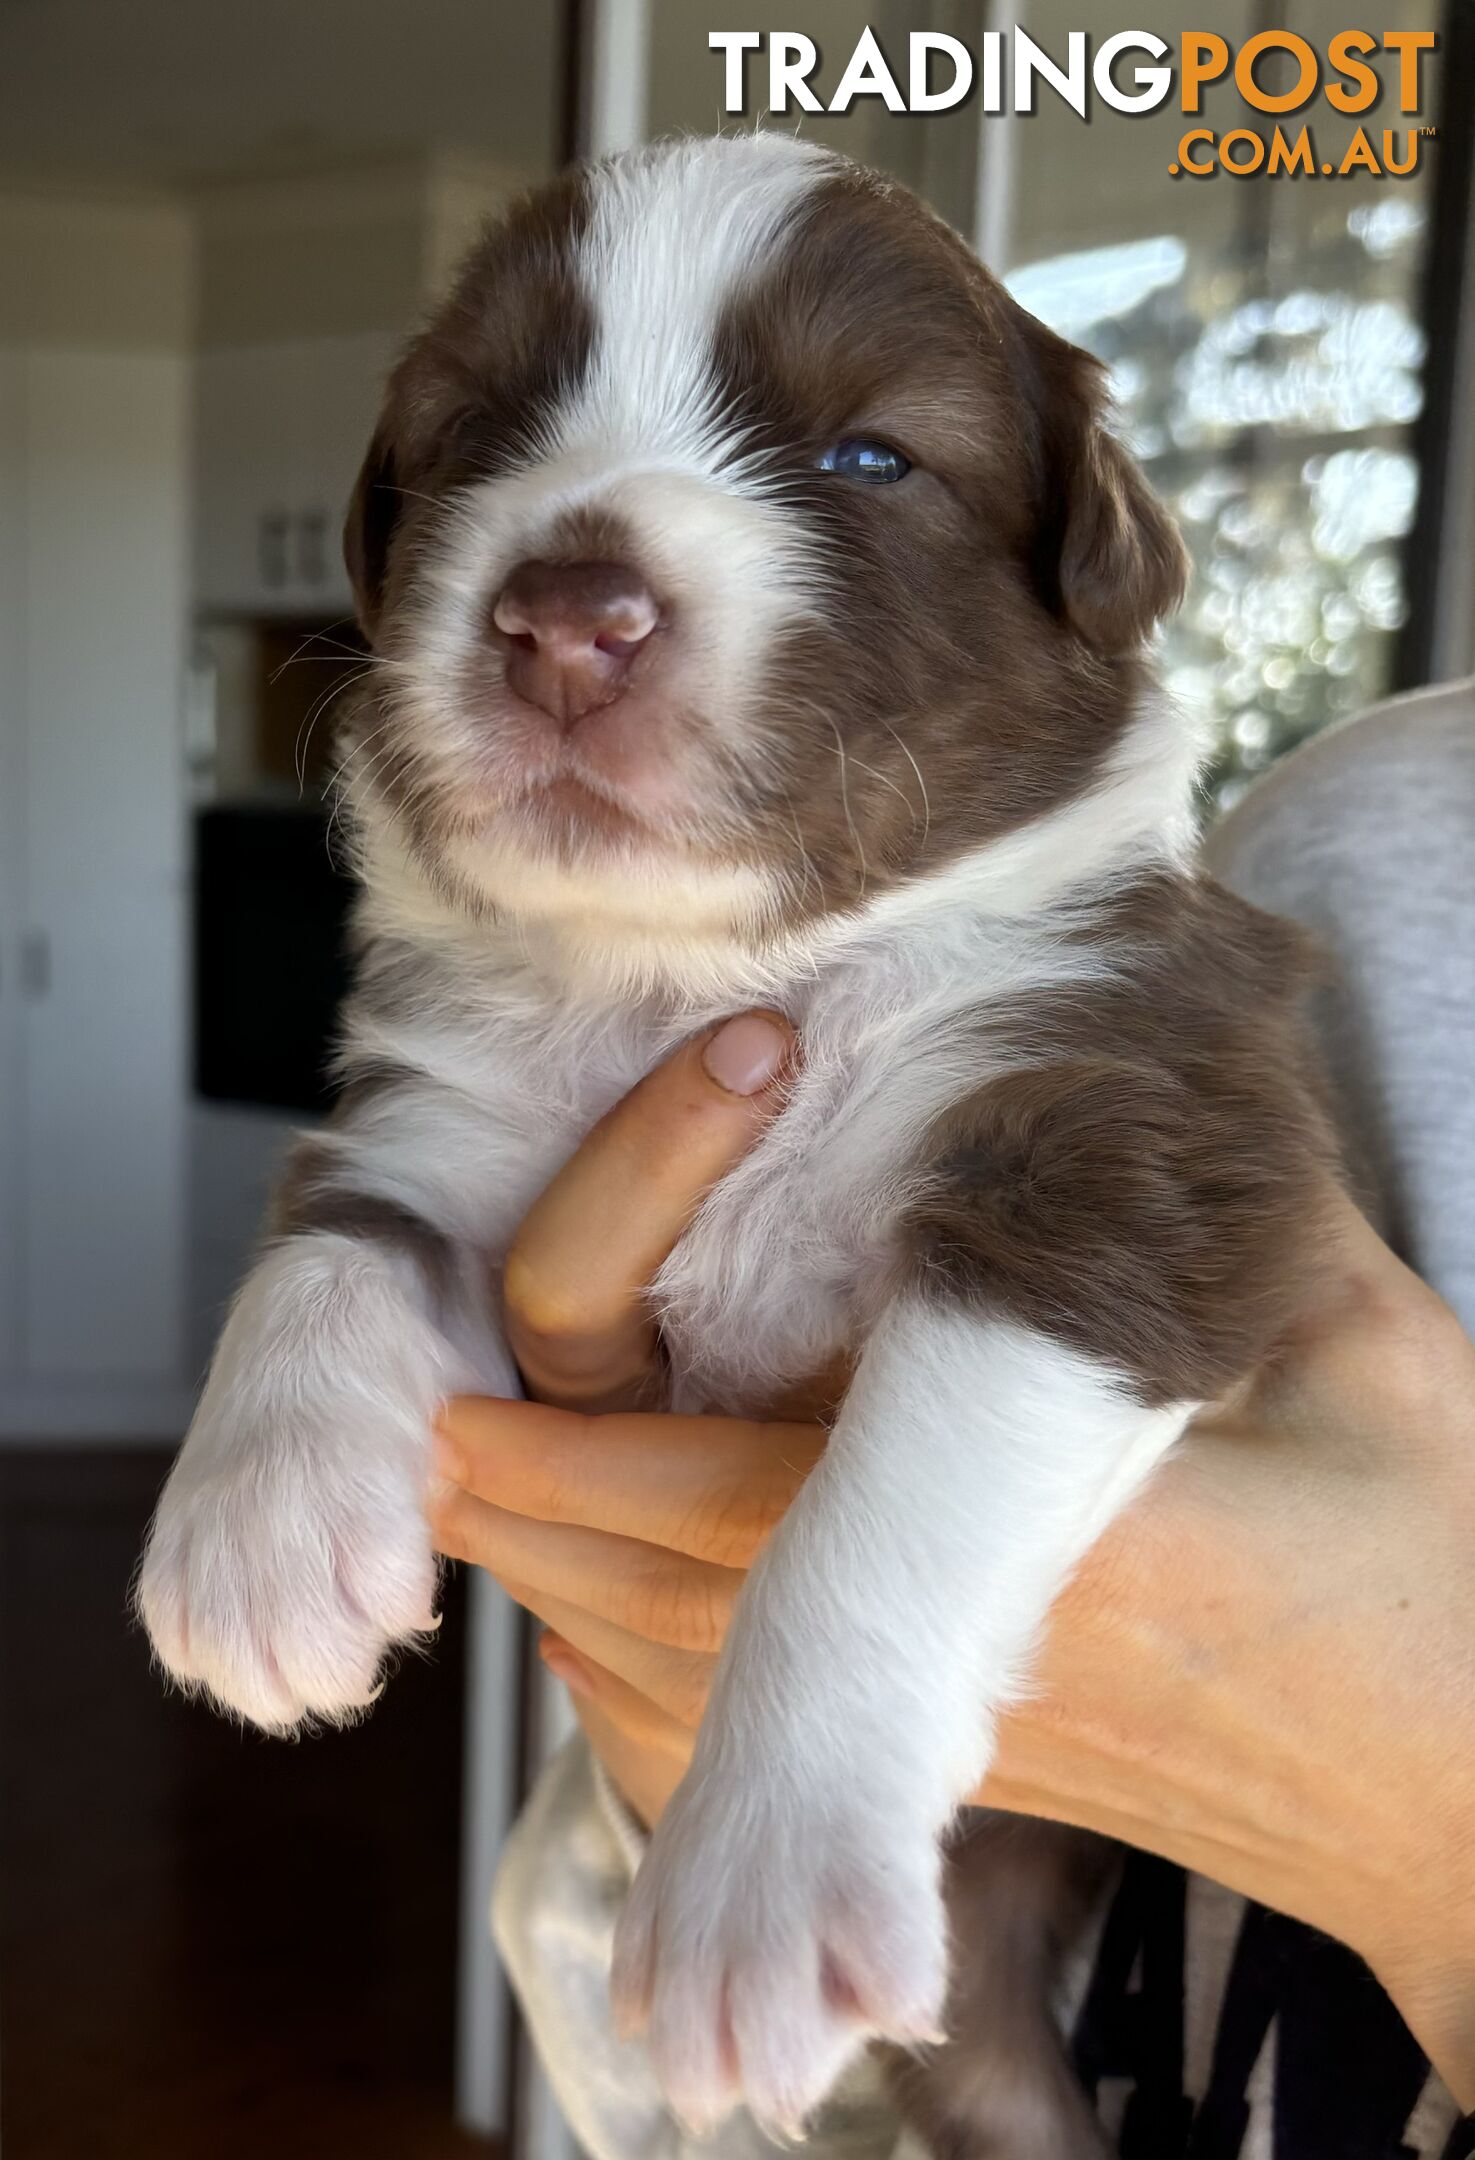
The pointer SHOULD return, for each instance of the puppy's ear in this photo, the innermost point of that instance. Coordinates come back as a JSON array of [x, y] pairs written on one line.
[[1109, 558], [1123, 565], [368, 528]]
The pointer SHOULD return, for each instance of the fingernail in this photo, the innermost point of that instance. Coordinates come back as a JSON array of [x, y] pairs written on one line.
[[564, 1666], [447, 1457], [747, 1053]]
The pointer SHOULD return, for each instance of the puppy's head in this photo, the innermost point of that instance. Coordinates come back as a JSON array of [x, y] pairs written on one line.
[[734, 546]]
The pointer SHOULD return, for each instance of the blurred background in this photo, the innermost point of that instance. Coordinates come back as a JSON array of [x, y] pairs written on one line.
[[217, 224]]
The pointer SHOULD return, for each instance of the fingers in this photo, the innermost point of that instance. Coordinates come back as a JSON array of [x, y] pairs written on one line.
[[645, 1751], [709, 1487], [643, 1722], [677, 1682], [645, 1776], [575, 1281], [686, 1604]]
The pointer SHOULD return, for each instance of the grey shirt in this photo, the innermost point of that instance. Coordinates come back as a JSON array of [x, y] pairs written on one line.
[[1367, 836]]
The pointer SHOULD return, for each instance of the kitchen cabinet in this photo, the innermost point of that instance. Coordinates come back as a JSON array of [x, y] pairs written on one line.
[[280, 430]]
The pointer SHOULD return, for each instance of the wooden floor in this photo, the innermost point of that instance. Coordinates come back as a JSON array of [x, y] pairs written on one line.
[[212, 1946]]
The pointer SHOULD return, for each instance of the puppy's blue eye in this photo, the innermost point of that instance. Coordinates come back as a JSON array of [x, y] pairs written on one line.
[[857, 457]]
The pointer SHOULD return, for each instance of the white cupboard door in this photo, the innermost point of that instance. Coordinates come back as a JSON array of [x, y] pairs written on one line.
[[251, 439], [104, 999], [344, 379], [281, 429]]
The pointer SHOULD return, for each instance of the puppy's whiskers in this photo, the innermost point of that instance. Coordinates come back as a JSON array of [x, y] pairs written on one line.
[[321, 704], [845, 800], [806, 861], [921, 783]]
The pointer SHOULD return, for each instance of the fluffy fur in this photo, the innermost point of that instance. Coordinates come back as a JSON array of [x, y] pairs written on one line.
[[893, 763]]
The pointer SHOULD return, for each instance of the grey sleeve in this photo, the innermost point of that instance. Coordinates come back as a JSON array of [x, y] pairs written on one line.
[[1367, 836]]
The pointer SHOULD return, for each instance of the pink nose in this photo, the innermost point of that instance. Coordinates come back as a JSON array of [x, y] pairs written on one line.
[[572, 631]]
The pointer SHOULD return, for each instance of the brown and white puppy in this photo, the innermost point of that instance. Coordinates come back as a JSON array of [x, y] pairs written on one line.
[[759, 609]]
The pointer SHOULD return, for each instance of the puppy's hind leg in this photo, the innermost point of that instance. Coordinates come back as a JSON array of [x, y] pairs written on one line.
[[1002, 2087]]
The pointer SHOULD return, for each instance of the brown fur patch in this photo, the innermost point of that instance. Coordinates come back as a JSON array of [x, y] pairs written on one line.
[[465, 401], [1148, 1187], [512, 340], [313, 1195], [979, 647], [1002, 2087]]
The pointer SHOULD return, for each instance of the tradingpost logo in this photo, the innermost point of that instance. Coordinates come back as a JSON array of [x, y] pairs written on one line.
[[1283, 82]]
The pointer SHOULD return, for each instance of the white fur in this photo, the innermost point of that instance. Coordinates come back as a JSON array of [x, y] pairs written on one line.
[[673, 237], [890, 1617], [292, 1548]]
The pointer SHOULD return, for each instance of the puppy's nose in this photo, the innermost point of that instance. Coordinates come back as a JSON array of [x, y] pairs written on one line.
[[572, 631]]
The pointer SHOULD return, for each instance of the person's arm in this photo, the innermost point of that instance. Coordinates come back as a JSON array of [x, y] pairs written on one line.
[[1264, 1671]]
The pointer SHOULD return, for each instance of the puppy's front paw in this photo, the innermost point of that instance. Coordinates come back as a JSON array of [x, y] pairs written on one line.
[[762, 1946], [285, 1561]]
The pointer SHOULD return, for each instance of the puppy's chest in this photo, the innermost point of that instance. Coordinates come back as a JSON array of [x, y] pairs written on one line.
[[769, 1282], [761, 1293], [761, 1289]]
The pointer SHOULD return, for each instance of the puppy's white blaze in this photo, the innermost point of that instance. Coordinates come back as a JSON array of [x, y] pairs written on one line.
[[673, 237], [890, 1618]]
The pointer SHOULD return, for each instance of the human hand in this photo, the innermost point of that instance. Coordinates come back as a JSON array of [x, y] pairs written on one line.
[[1263, 1671]]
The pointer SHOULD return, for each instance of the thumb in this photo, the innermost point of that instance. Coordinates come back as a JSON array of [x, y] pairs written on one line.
[[575, 1280]]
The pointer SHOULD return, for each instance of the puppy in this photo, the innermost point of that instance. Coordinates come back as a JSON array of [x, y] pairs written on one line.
[[759, 608]]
